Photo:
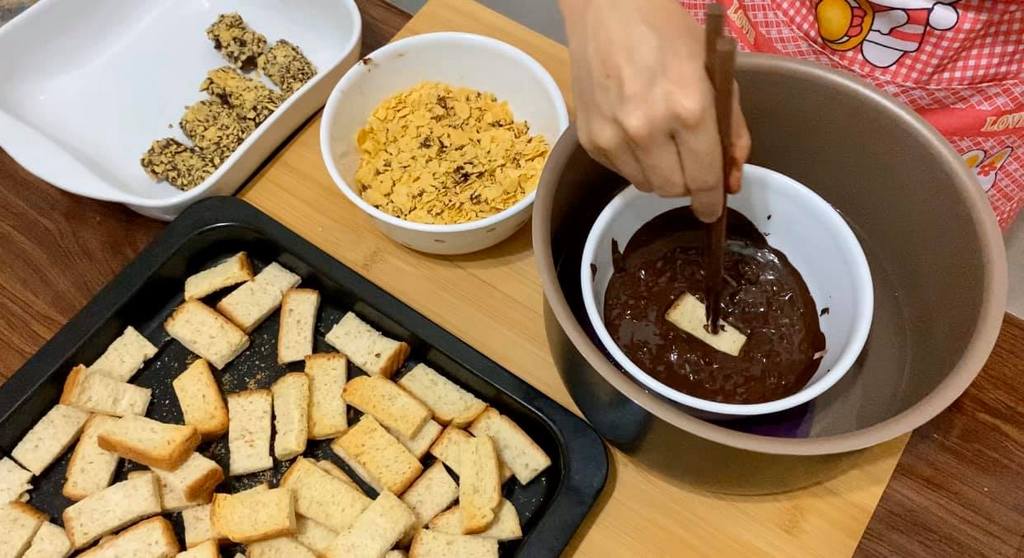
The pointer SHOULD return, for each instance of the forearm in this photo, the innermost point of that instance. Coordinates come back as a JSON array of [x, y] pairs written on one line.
[[573, 12], [571, 8]]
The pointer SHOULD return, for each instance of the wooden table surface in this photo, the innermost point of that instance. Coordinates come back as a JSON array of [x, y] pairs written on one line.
[[957, 489]]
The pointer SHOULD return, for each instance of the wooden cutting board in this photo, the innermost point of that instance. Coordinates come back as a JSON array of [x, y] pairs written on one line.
[[493, 301]]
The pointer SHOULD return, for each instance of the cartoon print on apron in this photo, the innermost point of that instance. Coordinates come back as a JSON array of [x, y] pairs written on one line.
[[957, 63]]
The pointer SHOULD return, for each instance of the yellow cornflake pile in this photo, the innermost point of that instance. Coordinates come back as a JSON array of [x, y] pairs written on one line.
[[443, 155]]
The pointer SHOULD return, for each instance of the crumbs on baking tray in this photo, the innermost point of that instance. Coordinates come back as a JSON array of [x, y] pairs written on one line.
[[439, 154]]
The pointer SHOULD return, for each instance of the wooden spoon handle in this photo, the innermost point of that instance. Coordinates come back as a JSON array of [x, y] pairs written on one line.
[[720, 61]]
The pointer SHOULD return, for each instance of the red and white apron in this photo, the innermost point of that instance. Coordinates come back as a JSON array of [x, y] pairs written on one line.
[[958, 63]]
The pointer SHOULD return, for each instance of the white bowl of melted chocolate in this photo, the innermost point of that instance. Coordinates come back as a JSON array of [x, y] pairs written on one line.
[[796, 299]]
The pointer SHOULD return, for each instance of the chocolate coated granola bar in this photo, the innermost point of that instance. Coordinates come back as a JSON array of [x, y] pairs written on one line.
[[239, 44], [250, 99], [286, 66], [182, 166], [214, 128]]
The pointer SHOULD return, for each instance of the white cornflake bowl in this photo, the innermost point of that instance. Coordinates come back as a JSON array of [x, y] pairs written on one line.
[[457, 59], [88, 85]]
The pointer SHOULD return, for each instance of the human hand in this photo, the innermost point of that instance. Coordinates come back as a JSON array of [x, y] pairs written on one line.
[[644, 104]]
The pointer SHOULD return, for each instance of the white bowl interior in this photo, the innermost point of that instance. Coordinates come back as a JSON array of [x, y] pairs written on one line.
[[458, 59], [814, 237], [95, 82]]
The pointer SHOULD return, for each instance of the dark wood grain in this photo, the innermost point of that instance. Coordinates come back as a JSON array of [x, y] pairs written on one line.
[[381, 21], [57, 251], [958, 490]]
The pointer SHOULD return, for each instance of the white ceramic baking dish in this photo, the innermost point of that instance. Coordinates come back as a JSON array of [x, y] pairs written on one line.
[[88, 85]]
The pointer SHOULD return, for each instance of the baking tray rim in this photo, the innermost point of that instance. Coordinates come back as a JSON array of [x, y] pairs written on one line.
[[583, 454]]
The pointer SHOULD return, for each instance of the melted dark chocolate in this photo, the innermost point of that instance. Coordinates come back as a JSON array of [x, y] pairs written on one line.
[[763, 296]]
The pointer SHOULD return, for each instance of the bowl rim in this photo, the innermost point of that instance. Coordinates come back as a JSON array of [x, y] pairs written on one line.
[[359, 71], [989, 318], [202, 190], [863, 287]]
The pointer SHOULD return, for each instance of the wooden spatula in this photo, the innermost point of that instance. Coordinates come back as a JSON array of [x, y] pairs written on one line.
[[720, 61]]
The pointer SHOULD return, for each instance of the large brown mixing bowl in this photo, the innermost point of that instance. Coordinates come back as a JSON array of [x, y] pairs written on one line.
[[935, 252]]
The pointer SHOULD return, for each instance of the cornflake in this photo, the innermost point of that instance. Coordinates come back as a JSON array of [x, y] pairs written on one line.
[[239, 44], [438, 154]]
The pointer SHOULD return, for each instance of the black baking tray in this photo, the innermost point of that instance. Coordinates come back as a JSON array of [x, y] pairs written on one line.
[[551, 507]]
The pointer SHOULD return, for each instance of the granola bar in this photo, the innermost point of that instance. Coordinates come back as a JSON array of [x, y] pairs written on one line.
[[214, 128], [239, 44], [250, 99], [286, 66], [182, 166]]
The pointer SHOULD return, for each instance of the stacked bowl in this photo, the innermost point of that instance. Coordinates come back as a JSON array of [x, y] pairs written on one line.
[[936, 258]]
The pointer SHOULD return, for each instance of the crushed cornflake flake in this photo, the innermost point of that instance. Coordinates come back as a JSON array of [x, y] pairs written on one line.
[[438, 154]]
